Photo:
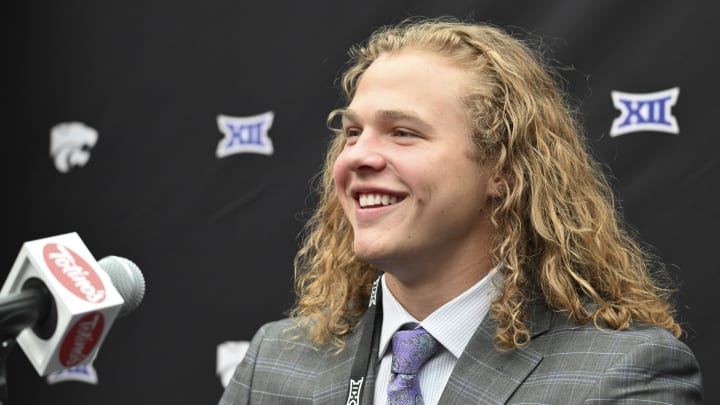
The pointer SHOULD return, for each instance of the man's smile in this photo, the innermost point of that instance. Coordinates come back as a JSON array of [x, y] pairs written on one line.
[[371, 200]]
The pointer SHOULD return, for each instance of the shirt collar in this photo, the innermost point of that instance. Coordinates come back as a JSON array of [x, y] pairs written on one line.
[[453, 324]]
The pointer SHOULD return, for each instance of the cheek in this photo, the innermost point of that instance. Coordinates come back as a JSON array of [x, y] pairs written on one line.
[[340, 176], [341, 180]]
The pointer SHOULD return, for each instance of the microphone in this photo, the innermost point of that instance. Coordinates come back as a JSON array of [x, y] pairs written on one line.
[[60, 303]]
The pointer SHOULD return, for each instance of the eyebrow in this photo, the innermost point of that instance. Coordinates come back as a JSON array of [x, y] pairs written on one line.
[[389, 116]]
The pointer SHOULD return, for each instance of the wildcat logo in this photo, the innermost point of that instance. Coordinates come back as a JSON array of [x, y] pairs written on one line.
[[245, 134], [229, 355], [70, 144], [645, 112]]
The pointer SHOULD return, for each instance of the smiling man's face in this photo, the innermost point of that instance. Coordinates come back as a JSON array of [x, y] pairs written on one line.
[[407, 178]]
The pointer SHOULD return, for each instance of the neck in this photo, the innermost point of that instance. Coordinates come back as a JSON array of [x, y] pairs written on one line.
[[422, 296]]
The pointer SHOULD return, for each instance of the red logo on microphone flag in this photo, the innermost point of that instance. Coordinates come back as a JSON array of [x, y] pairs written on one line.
[[74, 273], [81, 339]]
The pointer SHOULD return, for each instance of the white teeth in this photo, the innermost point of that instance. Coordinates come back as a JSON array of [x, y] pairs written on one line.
[[377, 199]]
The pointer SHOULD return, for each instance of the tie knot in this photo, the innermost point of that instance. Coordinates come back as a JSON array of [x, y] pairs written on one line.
[[411, 349]]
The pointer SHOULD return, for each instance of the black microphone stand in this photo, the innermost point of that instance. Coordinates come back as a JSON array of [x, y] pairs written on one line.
[[32, 307], [6, 347]]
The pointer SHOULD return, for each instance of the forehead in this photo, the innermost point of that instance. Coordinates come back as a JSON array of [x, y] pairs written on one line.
[[409, 83]]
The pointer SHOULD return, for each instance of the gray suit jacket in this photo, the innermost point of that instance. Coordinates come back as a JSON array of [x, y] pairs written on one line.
[[564, 364]]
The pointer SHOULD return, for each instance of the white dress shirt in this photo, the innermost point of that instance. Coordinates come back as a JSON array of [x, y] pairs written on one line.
[[453, 325]]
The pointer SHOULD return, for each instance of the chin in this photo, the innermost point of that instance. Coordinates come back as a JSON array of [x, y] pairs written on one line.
[[369, 254], [365, 256]]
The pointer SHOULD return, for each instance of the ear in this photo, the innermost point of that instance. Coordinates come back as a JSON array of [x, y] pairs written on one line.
[[497, 186]]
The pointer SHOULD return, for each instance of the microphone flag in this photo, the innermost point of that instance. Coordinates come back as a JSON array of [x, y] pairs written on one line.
[[85, 301]]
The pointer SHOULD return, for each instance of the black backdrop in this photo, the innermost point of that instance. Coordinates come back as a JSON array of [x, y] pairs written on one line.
[[215, 236]]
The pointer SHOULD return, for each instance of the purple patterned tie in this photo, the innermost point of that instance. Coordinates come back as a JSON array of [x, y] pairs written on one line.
[[411, 349]]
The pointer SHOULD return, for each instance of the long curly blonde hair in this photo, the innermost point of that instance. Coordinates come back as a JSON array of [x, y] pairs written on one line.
[[559, 236]]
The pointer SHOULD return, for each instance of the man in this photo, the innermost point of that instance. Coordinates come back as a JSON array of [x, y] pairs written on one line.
[[460, 175]]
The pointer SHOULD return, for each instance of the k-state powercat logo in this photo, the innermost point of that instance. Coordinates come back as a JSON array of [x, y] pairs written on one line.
[[651, 112], [70, 144]]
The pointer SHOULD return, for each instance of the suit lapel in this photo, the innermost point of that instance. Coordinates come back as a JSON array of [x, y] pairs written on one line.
[[369, 392], [331, 386], [486, 375]]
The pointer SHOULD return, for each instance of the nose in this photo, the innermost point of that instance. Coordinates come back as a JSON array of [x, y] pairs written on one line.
[[365, 153]]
